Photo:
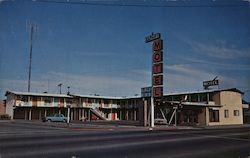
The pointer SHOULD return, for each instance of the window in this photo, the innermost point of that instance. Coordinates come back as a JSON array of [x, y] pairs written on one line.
[[213, 115], [47, 99], [236, 113], [106, 101], [118, 102], [211, 97], [194, 98], [24, 98], [122, 102], [68, 101], [226, 113], [129, 102], [203, 97], [177, 98], [90, 101], [99, 101]]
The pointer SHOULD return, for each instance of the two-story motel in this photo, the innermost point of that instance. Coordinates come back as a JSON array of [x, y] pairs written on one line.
[[206, 108]]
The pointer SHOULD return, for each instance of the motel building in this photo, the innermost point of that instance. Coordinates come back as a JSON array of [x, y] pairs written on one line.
[[198, 108], [35, 106]]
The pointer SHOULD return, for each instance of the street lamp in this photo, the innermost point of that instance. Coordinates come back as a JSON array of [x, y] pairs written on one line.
[[68, 90], [60, 88]]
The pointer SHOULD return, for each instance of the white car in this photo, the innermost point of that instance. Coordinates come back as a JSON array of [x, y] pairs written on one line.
[[55, 118]]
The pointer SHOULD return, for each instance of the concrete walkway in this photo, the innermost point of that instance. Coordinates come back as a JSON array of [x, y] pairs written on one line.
[[115, 125]]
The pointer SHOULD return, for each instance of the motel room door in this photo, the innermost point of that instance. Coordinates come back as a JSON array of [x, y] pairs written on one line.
[[113, 116]]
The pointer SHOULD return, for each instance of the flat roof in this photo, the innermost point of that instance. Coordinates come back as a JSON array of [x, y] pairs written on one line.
[[68, 96], [205, 91], [38, 94], [104, 97], [186, 103], [124, 97]]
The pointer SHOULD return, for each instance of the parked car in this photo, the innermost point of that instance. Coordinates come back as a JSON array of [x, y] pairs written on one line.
[[55, 118]]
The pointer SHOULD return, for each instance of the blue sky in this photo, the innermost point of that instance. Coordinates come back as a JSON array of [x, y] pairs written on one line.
[[100, 49]]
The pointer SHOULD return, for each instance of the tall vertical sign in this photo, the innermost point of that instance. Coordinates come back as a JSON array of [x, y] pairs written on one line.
[[157, 69]]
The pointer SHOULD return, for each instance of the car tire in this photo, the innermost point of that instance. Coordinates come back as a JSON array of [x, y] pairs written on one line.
[[64, 121], [49, 120]]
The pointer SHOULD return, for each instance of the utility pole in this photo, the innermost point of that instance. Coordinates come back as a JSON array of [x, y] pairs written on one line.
[[32, 28]]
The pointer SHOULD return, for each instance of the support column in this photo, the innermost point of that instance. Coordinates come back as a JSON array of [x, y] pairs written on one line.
[[25, 114], [152, 112], [134, 114], [145, 116], [207, 97], [120, 110], [89, 115], [30, 114], [72, 114], [126, 114], [175, 119], [207, 116], [79, 114], [83, 117], [45, 112], [85, 114], [40, 114]]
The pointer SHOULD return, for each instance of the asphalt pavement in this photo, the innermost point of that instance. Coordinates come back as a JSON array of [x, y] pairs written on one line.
[[31, 139]]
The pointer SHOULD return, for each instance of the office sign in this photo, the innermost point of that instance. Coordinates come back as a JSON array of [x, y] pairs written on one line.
[[207, 84], [152, 37], [146, 91]]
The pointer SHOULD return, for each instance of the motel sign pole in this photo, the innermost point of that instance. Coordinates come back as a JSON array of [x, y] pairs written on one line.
[[152, 109], [68, 113], [157, 71]]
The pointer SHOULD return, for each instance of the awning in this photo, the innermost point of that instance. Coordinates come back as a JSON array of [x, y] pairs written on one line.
[[200, 104]]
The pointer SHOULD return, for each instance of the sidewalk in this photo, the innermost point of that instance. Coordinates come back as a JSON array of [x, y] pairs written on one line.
[[123, 125], [115, 125], [226, 126]]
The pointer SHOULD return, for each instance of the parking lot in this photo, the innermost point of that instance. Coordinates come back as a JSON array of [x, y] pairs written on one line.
[[37, 139]]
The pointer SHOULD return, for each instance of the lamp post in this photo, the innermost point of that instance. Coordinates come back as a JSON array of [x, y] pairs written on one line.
[[68, 93], [60, 88]]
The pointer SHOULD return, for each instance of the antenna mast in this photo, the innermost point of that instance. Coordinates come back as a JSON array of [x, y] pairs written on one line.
[[32, 28]]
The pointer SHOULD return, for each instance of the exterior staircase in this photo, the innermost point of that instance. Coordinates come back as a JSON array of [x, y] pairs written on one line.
[[98, 113]]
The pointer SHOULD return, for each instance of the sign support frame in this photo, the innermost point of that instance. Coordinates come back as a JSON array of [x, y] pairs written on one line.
[[156, 47]]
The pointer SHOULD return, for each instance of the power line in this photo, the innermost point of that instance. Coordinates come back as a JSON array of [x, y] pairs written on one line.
[[142, 5]]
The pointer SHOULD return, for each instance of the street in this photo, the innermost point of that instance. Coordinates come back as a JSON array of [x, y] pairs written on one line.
[[43, 140]]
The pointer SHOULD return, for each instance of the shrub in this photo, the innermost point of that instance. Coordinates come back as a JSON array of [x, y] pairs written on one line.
[[4, 117]]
